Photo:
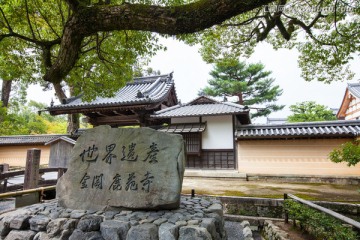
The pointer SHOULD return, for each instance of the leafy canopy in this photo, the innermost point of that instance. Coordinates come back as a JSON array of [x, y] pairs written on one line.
[[249, 82], [348, 152], [30, 36], [93, 44], [325, 32], [310, 112], [23, 119]]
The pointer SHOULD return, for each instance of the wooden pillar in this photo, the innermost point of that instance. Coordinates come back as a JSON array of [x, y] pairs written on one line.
[[286, 212], [4, 168], [31, 177]]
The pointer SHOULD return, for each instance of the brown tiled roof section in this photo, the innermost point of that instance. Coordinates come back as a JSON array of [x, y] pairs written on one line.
[[294, 130], [27, 139], [143, 90]]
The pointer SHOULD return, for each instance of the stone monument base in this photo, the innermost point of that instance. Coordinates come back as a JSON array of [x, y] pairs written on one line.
[[197, 218]]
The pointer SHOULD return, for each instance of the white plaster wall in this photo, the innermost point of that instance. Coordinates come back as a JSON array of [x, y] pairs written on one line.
[[185, 120], [219, 132], [353, 111]]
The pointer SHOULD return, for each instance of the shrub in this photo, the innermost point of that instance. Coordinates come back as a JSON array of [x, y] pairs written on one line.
[[318, 224]]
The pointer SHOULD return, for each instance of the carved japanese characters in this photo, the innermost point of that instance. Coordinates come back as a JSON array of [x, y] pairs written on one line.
[[126, 167]]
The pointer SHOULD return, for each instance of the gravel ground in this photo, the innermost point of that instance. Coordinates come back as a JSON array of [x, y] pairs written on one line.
[[242, 188], [6, 204]]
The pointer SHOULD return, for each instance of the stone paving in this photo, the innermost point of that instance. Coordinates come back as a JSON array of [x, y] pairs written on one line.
[[234, 230], [196, 219]]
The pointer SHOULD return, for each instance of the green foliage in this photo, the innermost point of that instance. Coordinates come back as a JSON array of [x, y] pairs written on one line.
[[24, 120], [106, 59], [249, 82], [31, 33], [348, 152], [119, 53], [310, 111], [327, 40], [318, 224]]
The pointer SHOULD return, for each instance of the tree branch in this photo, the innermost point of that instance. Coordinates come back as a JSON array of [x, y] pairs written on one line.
[[246, 22], [170, 20], [46, 20], [28, 20], [73, 4], [6, 21], [35, 41]]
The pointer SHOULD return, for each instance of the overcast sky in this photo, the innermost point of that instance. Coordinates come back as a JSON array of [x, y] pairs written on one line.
[[191, 74]]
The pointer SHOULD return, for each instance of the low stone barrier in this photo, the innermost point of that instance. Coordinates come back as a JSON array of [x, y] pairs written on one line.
[[273, 208], [272, 232], [196, 218]]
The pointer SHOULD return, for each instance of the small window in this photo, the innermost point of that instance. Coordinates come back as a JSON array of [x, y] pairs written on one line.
[[193, 142]]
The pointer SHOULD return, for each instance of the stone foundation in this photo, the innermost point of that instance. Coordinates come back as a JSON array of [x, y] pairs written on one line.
[[272, 232], [196, 218]]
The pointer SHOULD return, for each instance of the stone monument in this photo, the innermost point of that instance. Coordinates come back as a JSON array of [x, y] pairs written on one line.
[[136, 168], [120, 184]]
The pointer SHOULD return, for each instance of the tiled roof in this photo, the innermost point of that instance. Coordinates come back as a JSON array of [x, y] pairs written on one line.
[[63, 138], [201, 106], [27, 139], [298, 130], [184, 128], [145, 90], [276, 120], [354, 88]]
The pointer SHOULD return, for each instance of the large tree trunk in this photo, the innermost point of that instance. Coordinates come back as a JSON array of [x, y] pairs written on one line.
[[73, 119], [59, 91], [5, 92], [241, 99], [73, 123]]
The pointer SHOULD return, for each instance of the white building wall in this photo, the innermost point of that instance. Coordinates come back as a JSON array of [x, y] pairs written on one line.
[[219, 133], [353, 112]]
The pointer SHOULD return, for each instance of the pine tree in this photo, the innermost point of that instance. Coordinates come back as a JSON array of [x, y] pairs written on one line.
[[249, 82]]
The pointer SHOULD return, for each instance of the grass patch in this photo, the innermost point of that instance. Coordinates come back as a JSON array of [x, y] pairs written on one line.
[[274, 188], [337, 186], [197, 192], [307, 197], [241, 194], [234, 194], [276, 196], [309, 184], [308, 190]]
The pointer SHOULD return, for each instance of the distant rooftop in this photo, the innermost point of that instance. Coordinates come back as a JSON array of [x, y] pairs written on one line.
[[339, 128], [29, 139], [202, 106], [354, 88], [275, 120]]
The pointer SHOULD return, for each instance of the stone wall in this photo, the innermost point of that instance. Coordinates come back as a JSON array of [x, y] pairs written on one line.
[[195, 219], [293, 178], [264, 207], [273, 208], [272, 232]]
